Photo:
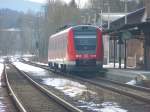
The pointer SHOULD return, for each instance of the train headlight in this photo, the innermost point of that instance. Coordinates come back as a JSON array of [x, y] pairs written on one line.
[[78, 56]]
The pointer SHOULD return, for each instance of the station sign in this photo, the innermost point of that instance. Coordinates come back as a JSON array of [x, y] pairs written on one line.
[[126, 35], [120, 41]]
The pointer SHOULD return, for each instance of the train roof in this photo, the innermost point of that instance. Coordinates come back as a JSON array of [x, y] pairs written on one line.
[[72, 27], [85, 25]]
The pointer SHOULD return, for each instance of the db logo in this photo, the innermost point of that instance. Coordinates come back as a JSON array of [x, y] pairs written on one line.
[[85, 55]]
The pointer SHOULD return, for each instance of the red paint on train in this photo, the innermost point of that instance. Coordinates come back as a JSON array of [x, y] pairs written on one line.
[[71, 47], [99, 49]]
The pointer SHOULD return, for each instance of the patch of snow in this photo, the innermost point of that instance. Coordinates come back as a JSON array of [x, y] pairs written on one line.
[[111, 65], [28, 55], [111, 107], [132, 82], [68, 87], [26, 59], [1, 71], [42, 63], [1, 60], [2, 107], [104, 107], [75, 89], [29, 68]]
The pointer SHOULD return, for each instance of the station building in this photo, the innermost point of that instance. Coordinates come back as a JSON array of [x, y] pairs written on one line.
[[130, 40]]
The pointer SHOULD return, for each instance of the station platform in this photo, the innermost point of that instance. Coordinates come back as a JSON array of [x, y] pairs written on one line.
[[128, 75]]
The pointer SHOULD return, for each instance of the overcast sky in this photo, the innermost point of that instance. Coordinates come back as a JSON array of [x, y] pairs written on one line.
[[24, 5], [67, 1]]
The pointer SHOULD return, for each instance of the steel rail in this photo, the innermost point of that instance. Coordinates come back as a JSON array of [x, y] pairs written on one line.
[[126, 85], [19, 105], [120, 91], [140, 88], [59, 100]]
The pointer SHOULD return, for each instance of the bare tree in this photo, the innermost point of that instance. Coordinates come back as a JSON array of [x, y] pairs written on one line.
[[57, 14]]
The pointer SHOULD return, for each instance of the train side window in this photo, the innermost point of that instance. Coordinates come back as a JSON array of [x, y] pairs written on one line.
[[54, 44], [50, 45], [63, 42]]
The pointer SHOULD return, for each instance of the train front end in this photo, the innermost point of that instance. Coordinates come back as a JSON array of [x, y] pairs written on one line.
[[85, 48]]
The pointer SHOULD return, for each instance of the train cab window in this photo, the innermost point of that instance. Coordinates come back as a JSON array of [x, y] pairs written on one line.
[[85, 44]]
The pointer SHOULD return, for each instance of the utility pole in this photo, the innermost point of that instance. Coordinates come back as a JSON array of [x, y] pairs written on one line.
[[108, 29], [108, 11], [98, 14], [115, 52], [125, 42], [89, 19], [108, 25], [101, 20]]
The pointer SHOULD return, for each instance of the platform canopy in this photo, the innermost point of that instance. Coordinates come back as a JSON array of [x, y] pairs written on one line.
[[136, 22]]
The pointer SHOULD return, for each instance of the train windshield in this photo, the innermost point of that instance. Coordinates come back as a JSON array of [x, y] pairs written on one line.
[[85, 44]]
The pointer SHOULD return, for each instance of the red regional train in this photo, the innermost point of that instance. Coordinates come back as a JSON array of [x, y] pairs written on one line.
[[78, 48]]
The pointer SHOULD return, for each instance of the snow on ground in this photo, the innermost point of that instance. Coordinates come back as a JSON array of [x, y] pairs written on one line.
[[42, 63], [111, 65], [29, 68], [132, 82], [77, 90], [1, 70], [72, 89], [1, 60], [103, 107], [69, 87], [2, 105], [26, 59]]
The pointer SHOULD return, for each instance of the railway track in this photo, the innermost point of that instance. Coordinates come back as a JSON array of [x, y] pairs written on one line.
[[136, 92], [142, 94], [29, 96], [140, 88]]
